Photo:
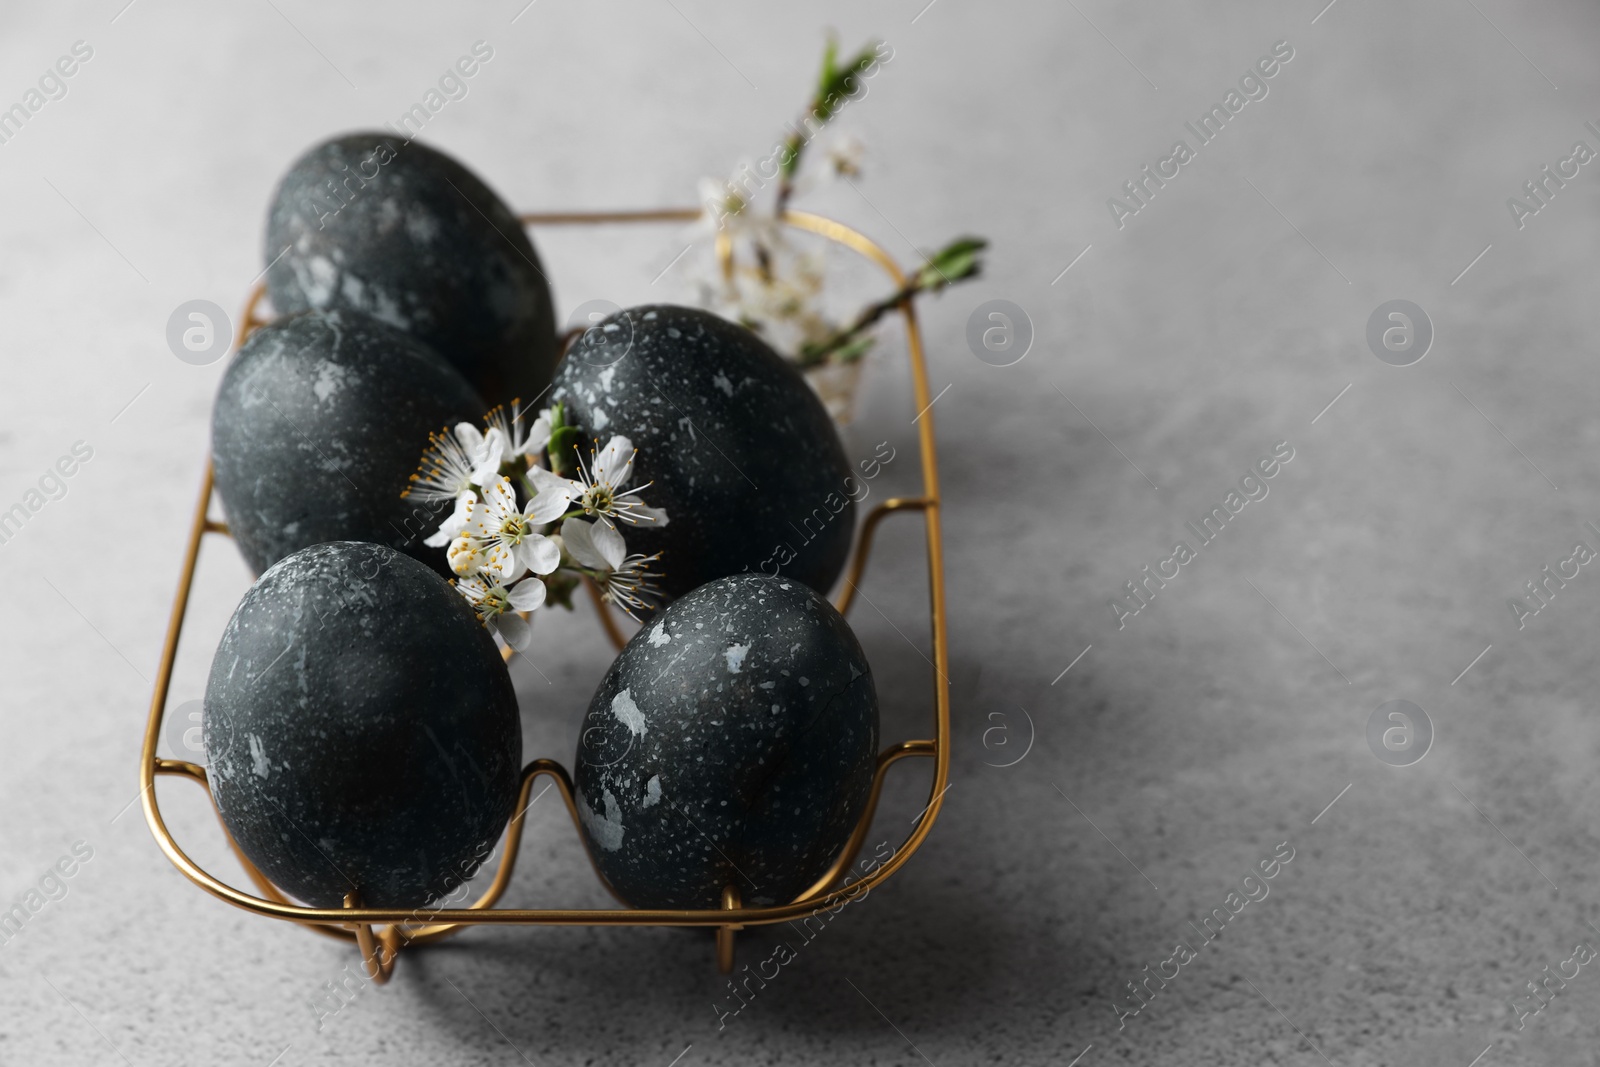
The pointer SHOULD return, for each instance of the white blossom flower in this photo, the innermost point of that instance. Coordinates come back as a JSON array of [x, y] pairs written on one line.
[[507, 440], [719, 203], [843, 155], [600, 486], [484, 450], [623, 578], [781, 298], [728, 208], [787, 307], [497, 604], [449, 465], [631, 586], [501, 538]]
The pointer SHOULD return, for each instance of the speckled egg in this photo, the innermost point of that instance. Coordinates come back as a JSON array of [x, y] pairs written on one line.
[[742, 454], [320, 421], [403, 232], [361, 729], [732, 743]]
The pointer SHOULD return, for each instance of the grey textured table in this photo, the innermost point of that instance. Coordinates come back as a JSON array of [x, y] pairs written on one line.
[[1180, 751]]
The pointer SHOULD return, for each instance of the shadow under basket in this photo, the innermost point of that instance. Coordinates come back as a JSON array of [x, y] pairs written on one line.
[[381, 933]]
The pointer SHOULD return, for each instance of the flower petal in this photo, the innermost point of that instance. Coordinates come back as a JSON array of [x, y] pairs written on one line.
[[528, 595], [549, 489], [470, 437], [578, 536], [514, 629], [614, 464], [503, 562], [539, 554], [455, 522], [538, 434], [501, 499], [552, 500], [608, 540], [480, 520], [543, 479], [488, 456], [714, 198]]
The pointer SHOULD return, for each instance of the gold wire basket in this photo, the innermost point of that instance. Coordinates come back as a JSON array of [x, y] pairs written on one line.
[[380, 933]]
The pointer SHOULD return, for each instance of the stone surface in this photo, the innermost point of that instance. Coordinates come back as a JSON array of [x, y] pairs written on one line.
[[321, 420], [1197, 739], [731, 743], [403, 232], [361, 731], [739, 450]]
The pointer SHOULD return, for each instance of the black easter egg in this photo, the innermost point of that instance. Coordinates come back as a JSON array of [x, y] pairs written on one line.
[[742, 453], [360, 729], [320, 421], [732, 743], [403, 232]]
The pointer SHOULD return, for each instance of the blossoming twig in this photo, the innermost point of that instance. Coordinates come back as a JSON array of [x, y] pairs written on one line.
[[772, 289], [514, 539], [833, 86], [956, 261]]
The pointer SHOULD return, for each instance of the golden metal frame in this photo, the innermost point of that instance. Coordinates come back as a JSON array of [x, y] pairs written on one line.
[[379, 946]]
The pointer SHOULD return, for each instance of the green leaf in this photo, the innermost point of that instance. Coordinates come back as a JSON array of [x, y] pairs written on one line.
[[829, 54], [863, 62], [833, 85], [955, 261]]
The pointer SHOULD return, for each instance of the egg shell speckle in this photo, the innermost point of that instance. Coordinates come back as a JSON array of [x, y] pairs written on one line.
[[692, 776], [319, 423], [361, 729], [741, 453], [407, 234]]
